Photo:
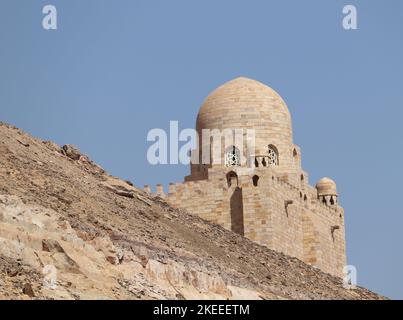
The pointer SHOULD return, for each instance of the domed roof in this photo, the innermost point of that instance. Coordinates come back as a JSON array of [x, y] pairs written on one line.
[[326, 187], [244, 103]]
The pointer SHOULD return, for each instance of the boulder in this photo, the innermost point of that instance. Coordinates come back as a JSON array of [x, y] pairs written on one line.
[[72, 152]]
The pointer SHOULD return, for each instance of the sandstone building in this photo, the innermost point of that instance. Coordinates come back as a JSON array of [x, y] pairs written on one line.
[[267, 198]]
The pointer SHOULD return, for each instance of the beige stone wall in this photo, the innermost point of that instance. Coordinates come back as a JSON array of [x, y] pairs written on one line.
[[280, 210], [283, 216]]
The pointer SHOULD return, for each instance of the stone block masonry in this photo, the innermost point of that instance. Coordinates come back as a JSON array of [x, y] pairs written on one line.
[[273, 204]]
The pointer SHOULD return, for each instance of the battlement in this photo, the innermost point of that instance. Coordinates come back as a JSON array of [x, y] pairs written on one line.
[[268, 199], [270, 208]]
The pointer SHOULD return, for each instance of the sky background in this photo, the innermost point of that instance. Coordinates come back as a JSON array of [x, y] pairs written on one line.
[[116, 69]]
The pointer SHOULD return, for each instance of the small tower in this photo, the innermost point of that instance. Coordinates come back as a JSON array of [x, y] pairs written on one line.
[[327, 191]]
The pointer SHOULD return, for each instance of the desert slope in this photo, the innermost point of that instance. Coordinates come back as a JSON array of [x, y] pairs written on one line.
[[108, 240]]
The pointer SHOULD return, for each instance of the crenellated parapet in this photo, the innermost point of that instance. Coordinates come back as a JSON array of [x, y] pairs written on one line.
[[263, 193]]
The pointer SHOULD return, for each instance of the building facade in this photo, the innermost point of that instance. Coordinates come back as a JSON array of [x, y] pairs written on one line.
[[262, 192]]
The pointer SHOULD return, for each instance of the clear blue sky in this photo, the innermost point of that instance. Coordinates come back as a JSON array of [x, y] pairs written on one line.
[[115, 69]]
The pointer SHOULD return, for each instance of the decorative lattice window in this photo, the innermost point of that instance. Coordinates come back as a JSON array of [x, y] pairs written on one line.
[[273, 156], [232, 157]]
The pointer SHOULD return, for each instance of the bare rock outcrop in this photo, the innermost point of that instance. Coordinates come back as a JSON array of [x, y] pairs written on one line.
[[68, 230]]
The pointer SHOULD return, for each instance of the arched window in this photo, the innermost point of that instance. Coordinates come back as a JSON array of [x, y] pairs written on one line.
[[232, 157], [255, 180], [232, 179], [273, 155]]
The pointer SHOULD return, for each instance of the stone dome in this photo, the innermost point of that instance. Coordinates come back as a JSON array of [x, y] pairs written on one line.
[[244, 103], [326, 187]]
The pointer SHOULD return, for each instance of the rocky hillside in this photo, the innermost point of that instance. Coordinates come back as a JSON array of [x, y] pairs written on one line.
[[63, 218]]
